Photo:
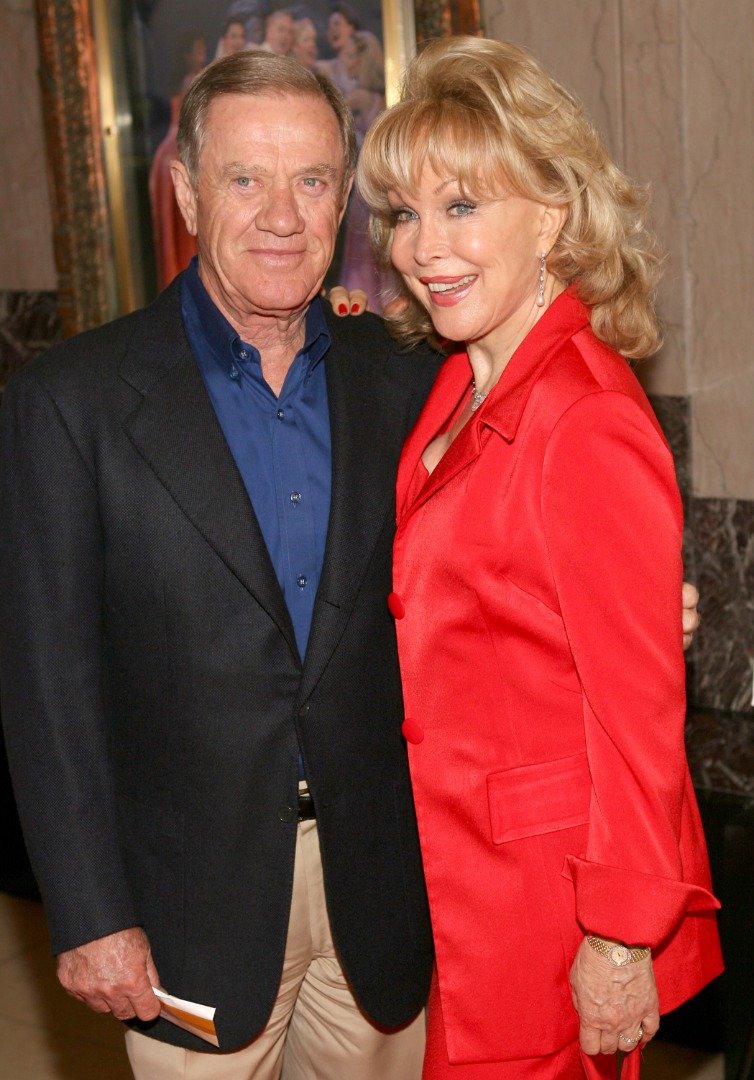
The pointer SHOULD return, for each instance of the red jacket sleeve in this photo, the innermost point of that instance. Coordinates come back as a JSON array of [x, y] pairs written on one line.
[[613, 526]]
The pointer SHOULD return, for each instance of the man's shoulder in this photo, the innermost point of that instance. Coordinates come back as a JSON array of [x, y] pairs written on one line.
[[94, 355], [368, 341]]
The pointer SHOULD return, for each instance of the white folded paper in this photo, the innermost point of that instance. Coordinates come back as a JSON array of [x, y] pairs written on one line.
[[198, 1019]]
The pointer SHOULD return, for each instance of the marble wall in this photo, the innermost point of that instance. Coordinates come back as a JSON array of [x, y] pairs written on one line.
[[670, 84], [29, 324]]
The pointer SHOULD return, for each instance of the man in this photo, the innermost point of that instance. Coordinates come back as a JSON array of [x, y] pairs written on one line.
[[198, 514], [278, 33]]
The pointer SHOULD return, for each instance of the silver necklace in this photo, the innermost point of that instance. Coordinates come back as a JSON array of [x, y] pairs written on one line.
[[476, 397]]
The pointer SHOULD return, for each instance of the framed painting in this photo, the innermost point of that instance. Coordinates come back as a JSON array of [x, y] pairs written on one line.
[[113, 76]]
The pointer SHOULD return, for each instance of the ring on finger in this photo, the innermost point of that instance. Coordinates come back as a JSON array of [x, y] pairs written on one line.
[[632, 1042]]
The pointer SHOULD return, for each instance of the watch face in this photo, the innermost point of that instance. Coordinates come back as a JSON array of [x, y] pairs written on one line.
[[620, 955]]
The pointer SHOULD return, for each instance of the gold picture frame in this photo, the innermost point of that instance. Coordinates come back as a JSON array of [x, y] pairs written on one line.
[[101, 253]]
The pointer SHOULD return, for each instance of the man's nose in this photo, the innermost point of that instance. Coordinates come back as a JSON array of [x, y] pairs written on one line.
[[279, 213]]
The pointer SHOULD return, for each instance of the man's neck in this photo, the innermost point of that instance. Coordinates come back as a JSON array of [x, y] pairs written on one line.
[[277, 336]]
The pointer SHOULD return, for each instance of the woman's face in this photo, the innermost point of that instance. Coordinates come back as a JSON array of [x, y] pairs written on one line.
[[198, 55], [305, 45], [472, 263], [234, 39], [339, 30]]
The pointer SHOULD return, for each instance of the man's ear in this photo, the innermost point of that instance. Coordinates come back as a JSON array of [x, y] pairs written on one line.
[[346, 193], [185, 194], [552, 221]]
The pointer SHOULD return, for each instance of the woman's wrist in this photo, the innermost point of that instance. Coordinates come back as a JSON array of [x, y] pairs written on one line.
[[617, 952]]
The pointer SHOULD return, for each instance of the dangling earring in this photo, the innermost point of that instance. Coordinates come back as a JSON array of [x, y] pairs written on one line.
[[541, 287]]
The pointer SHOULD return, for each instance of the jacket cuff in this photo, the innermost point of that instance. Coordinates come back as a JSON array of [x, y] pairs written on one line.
[[629, 906]]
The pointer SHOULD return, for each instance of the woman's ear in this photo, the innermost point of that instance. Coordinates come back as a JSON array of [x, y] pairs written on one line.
[[552, 221]]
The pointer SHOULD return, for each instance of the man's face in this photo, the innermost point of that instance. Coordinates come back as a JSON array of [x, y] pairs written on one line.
[[279, 34], [267, 203]]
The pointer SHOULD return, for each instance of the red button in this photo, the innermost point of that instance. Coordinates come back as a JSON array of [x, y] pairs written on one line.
[[412, 730], [396, 606]]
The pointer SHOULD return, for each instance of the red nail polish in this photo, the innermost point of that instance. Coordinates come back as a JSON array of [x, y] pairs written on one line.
[[355, 309], [342, 309]]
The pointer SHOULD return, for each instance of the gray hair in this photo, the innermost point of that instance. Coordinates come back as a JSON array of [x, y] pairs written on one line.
[[257, 74]]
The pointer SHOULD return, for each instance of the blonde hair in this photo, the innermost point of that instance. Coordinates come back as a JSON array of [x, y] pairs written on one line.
[[485, 113]]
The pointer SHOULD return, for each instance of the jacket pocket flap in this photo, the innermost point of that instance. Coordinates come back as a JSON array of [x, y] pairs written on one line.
[[540, 798]]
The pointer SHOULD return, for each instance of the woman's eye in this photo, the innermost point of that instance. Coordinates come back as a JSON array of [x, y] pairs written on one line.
[[402, 215], [462, 208]]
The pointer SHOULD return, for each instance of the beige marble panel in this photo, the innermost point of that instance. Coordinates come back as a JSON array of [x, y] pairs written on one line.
[[578, 42], [718, 51], [25, 224], [651, 63]]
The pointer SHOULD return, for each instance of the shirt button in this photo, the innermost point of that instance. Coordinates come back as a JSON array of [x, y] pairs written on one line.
[[412, 730], [295, 496], [304, 709], [301, 581], [396, 606], [234, 372], [280, 414], [243, 353], [287, 813]]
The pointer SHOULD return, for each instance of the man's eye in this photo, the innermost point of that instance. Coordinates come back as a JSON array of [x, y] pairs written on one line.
[[243, 181], [312, 181]]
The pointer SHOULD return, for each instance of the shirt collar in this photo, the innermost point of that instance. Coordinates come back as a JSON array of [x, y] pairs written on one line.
[[224, 341]]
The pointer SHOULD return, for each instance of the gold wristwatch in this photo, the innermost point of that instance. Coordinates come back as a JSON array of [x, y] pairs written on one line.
[[618, 955]]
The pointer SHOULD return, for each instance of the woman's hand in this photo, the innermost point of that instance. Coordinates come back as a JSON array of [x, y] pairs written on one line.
[[690, 615], [613, 1002], [345, 303]]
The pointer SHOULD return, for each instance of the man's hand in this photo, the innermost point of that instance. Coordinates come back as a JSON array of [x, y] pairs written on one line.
[[691, 617], [613, 1001], [113, 974]]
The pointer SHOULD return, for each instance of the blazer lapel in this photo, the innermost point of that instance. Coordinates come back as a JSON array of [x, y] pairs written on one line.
[[176, 432], [450, 385], [368, 421]]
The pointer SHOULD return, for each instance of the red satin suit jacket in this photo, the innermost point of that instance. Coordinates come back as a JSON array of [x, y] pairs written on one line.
[[537, 582]]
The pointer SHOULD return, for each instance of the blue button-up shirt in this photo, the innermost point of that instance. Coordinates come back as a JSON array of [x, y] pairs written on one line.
[[281, 445]]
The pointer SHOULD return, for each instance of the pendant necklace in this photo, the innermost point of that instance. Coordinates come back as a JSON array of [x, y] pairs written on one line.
[[476, 397]]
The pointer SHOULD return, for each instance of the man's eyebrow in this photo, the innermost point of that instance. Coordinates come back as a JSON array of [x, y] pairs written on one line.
[[238, 168]]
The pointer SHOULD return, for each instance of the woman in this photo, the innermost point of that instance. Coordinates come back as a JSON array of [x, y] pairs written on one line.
[[342, 23], [364, 62], [537, 573], [174, 246], [305, 42]]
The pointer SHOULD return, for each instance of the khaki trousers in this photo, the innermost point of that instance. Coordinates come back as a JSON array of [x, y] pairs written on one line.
[[316, 1030]]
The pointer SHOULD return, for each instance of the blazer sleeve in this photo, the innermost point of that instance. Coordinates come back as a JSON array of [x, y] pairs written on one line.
[[613, 528], [52, 668]]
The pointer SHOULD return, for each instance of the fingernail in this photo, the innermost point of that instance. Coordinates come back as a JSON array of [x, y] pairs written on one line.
[[355, 309], [342, 309]]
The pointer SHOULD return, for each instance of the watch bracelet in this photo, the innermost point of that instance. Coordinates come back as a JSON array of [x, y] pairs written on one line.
[[605, 947]]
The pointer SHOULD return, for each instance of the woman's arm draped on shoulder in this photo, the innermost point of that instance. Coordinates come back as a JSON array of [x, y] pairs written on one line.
[[613, 524]]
